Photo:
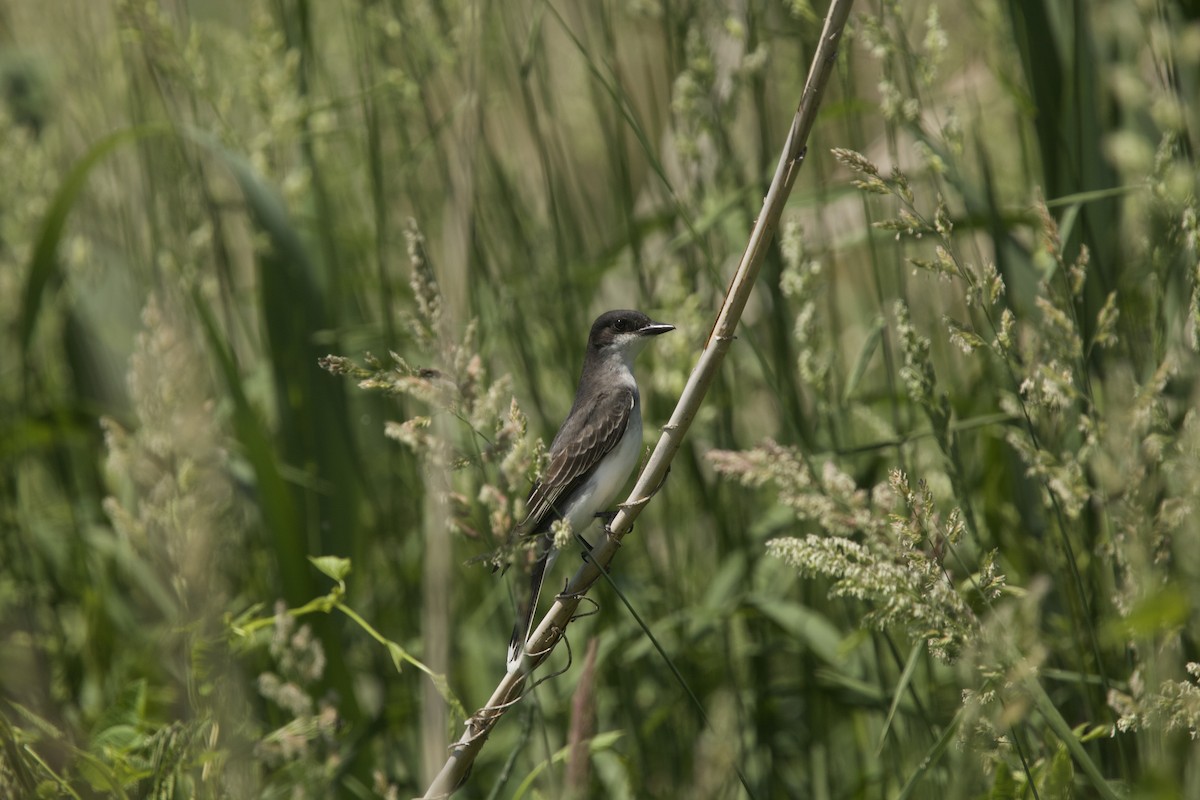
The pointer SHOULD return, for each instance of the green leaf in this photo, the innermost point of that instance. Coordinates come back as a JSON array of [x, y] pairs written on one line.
[[1004, 786], [1058, 777], [335, 567], [100, 775], [128, 709], [399, 655], [117, 739]]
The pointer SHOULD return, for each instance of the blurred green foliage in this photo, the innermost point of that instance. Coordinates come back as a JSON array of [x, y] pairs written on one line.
[[934, 530]]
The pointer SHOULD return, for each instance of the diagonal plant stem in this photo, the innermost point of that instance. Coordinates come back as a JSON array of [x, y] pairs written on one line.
[[548, 633]]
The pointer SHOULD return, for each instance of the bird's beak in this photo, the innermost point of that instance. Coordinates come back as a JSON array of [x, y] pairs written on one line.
[[655, 328]]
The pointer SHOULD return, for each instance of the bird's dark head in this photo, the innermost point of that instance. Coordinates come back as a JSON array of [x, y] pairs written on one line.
[[623, 331]]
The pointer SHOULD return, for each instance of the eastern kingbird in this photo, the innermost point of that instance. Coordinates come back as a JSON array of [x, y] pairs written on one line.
[[593, 452]]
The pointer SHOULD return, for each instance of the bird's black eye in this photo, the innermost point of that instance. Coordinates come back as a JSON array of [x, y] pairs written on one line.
[[621, 325]]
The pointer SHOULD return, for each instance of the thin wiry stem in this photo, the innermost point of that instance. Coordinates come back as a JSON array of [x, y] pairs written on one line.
[[548, 633]]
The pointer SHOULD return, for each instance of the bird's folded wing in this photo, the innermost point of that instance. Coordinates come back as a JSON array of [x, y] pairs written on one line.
[[585, 438]]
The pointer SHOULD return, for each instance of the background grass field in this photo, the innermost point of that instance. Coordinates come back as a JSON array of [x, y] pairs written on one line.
[[934, 533]]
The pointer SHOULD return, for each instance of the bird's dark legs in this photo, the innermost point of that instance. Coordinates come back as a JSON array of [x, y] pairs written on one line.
[[607, 517]]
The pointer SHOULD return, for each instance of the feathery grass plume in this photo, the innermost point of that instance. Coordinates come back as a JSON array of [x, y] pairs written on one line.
[[1147, 471], [882, 35], [982, 283], [933, 47], [172, 473], [908, 90], [1189, 229], [718, 64], [1048, 365], [1045, 359], [693, 105], [1146, 465], [803, 282], [302, 753], [1174, 706], [491, 451], [917, 375], [1008, 648], [1136, 450], [29, 174], [174, 502], [1088, 437], [262, 112], [831, 500], [688, 302], [426, 324], [885, 546]]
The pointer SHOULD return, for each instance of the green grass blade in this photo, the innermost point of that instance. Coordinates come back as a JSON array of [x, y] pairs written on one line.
[[1054, 718], [43, 272], [272, 494], [910, 667]]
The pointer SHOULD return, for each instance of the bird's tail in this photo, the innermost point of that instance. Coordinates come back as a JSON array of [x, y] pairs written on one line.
[[526, 610]]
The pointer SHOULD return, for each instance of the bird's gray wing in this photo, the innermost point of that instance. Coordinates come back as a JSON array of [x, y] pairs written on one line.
[[585, 437]]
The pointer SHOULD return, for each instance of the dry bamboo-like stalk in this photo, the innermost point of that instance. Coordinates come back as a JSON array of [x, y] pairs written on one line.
[[548, 633]]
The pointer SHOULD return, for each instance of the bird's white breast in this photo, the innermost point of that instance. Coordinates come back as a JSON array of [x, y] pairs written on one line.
[[601, 490]]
